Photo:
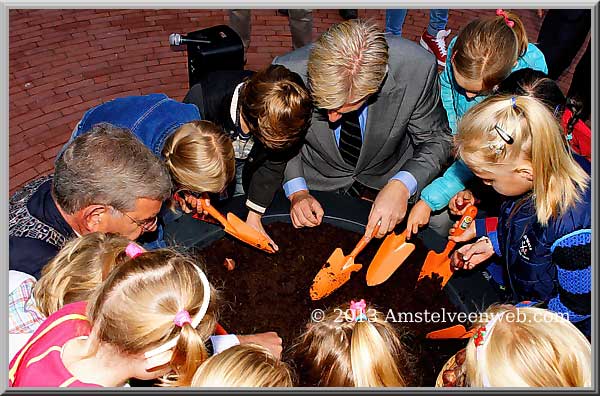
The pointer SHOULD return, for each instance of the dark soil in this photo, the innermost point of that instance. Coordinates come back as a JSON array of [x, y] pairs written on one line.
[[271, 292]]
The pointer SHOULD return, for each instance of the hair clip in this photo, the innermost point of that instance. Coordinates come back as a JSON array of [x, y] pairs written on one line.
[[358, 310], [182, 317], [502, 13], [503, 134], [556, 110], [133, 250], [480, 339]]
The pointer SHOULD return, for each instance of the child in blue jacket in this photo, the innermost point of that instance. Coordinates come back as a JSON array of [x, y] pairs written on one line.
[[484, 53]]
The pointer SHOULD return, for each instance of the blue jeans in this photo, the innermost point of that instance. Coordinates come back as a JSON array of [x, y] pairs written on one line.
[[394, 19]]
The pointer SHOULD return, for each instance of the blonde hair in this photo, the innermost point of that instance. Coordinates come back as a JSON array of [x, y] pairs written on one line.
[[530, 347], [134, 310], [347, 63], [247, 365], [339, 351], [80, 266], [276, 106], [558, 181], [487, 49], [200, 157]]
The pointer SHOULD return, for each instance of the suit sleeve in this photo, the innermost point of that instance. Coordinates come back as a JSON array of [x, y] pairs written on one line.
[[428, 129], [264, 183]]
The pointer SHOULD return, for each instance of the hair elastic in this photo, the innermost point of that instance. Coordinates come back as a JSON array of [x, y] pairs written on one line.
[[194, 322], [480, 338], [182, 317], [513, 102], [133, 250], [358, 310], [502, 13]]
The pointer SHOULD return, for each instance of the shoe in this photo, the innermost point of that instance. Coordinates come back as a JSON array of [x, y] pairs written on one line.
[[283, 12], [348, 14], [436, 45]]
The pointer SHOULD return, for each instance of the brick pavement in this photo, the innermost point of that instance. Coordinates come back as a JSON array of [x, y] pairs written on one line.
[[63, 62]]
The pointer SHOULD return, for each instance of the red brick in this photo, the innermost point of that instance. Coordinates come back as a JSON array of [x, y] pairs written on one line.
[[40, 120], [18, 180], [26, 164], [45, 167], [27, 117], [15, 158], [61, 105]]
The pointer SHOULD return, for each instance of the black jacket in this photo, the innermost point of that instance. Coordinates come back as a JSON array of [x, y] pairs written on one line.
[[263, 170]]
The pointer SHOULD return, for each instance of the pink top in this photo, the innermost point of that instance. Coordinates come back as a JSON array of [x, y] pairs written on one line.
[[39, 362]]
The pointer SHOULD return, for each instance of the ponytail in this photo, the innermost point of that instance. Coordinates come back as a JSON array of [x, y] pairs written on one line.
[[519, 30], [189, 353], [372, 358]]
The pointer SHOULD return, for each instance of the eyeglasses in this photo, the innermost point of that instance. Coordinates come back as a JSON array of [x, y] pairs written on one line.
[[145, 225]]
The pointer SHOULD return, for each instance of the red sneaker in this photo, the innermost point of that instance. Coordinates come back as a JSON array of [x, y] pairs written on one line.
[[436, 45]]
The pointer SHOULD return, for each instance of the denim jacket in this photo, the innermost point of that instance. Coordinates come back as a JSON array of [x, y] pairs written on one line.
[[438, 193]]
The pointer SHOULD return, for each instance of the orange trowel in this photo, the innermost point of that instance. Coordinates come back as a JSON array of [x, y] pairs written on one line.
[[337, 269], [452, 332], [237, 228], [391, 254], [439, 263]]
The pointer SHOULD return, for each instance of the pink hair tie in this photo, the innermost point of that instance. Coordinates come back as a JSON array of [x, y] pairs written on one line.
[[182, 317], [502, 13], [358, 310], [133, 250]]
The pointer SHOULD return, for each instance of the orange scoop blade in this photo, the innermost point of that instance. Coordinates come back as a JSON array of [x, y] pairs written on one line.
[[333, 274], [391, 254], [456, 331], [439, 264], [242, 231]]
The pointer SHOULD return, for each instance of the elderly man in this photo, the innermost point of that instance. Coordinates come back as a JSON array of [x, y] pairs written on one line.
[[379, 128], [105, 180]]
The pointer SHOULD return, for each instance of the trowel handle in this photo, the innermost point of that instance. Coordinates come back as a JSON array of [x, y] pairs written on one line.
[[213, 212], [465, 221], [363, 241]]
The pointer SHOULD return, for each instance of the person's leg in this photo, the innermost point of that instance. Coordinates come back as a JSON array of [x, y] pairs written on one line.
[[438, 19], [301, 26], [562, 33], [581, 85], [394, 19], [239, 20], [440, 222]]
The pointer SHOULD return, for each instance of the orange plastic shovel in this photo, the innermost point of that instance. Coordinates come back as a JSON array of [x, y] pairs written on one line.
[[237, 228], [337, 270], [456, 331], [439, 263], [391, 254]]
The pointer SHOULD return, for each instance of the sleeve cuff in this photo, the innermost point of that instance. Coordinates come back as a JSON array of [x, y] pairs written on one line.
[[408, 179], [223, 342], [294, 185], [255, 207]]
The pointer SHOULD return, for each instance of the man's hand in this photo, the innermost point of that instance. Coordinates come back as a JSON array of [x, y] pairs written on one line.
[[469, 256], [253, 220], [460, 201], [389, 208], [419, 216], [269, 340], [305, 210]]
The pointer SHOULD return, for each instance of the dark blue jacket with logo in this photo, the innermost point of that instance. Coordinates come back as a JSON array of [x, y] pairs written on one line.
[[549, 263]]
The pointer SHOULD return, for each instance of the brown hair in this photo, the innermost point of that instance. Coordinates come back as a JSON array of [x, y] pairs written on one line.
[[134, 310], [487, 49], [529, 347], [80, 266], [200, 157], [558, 181], [347, 63], [276, 106], [248, 365], [339, 351]]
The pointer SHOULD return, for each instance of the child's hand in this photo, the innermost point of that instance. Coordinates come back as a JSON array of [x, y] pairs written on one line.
[[469, 256], [469, 233], [190, 203], [269, 340], [460, 201], [253, 220], [419, 216]]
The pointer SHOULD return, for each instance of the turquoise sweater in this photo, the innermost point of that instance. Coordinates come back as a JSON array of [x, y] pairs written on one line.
[[438, 193]]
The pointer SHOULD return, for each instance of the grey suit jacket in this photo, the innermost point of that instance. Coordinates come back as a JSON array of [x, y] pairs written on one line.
[[407, 127]]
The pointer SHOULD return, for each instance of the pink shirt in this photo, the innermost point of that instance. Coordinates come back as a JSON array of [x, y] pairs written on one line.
[[39, 362]]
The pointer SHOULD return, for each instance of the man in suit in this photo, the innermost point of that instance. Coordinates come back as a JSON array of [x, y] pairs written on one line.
[[379, 124]]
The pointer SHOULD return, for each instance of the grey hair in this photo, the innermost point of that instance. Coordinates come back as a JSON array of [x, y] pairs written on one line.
[[108, 166]]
